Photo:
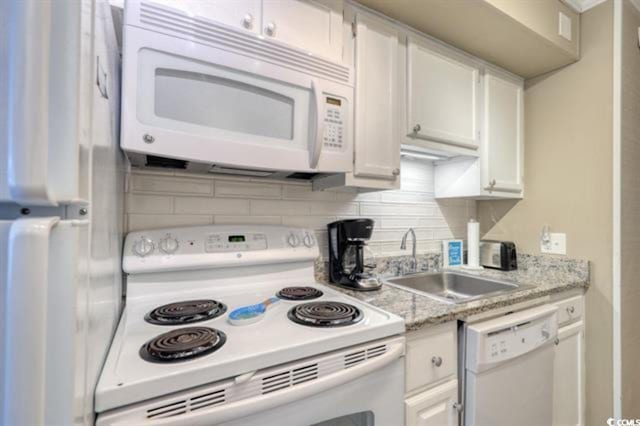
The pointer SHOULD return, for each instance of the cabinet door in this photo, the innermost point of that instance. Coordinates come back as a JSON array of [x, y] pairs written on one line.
[[503, 145], [568, 387], [377, 142], [442, 95], [435, 407], [243, 14], [315, 26]]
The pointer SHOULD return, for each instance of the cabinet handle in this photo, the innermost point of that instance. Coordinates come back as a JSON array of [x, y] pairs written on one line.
[[247, 21], [395, 172], [270, 29], [417, 128], [571, 309], [436, 361]]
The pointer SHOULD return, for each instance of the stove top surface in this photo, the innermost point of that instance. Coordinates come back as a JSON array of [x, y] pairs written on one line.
[[154, 358]]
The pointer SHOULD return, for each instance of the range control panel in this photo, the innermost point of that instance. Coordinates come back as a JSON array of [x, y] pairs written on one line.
[[216, 246], [334, 123]]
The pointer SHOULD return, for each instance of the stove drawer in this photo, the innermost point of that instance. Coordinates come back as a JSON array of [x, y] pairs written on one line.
[[431, 356]]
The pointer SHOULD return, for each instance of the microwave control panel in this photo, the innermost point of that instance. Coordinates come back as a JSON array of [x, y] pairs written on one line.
[[334, 123]]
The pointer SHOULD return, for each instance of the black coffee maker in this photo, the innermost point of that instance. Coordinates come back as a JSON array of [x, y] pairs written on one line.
[[350, 262]]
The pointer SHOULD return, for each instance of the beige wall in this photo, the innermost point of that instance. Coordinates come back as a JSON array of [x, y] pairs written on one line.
[[568, 178], [630, 235]]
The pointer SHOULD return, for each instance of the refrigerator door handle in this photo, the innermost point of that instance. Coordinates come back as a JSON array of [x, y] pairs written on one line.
[[25, 342], [45, 118], [28, 134]]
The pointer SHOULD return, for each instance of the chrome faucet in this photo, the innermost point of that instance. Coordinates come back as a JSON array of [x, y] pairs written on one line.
[[403, 246]]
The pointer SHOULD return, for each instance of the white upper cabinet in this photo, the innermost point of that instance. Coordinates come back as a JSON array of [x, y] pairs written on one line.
[[503, 147], [442, 95], [311, 25], [315, 26], [377, 137], [244, 14]]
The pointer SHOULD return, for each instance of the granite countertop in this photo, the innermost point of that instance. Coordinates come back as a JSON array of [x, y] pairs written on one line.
[[547, 275]]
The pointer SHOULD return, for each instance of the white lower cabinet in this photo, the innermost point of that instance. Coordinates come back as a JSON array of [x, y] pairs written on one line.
[[568, 394], [431, 383], [435, 407]]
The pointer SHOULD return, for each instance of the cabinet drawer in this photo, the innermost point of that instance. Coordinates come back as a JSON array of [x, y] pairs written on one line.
[[431, 356], [570, 310]]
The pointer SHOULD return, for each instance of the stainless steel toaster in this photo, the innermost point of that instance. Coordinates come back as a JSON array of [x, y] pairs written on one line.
[[498, 255]]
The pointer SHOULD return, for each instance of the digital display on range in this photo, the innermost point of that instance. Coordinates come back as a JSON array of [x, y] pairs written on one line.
[[236, 239]]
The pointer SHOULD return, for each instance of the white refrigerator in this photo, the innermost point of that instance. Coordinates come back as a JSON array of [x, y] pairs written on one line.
[[61, 207]]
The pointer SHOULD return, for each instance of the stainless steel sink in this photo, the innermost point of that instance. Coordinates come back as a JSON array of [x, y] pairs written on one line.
[[454, 287]]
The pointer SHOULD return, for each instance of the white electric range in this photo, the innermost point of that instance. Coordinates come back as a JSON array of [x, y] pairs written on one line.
[[315, 356]]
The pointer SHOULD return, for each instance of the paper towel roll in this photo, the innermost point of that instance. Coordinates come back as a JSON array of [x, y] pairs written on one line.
[[473, 244]]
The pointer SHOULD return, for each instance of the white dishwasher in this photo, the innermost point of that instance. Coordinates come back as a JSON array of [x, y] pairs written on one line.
[[508, 369]]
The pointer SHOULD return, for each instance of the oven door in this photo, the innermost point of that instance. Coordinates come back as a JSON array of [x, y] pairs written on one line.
[[202, 104], [375, 399]]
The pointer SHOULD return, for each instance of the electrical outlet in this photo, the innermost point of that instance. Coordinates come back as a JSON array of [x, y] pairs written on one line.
[[557, 244]]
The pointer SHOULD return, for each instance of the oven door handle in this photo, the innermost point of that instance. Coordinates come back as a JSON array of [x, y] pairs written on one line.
[[239, 409], [317, 131]]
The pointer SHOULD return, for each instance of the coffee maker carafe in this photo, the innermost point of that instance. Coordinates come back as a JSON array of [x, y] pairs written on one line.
[[351, 263]]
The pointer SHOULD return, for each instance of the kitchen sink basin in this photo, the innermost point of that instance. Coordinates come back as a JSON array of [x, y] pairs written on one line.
[[454, 287]]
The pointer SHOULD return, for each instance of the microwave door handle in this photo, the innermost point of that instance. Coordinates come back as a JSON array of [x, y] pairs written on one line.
[[318, 133]]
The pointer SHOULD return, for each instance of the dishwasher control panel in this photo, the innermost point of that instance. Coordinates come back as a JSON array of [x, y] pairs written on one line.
[[507, 337]]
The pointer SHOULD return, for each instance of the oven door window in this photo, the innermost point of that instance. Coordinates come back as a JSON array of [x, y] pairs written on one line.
[[365, 418], [222, 103]]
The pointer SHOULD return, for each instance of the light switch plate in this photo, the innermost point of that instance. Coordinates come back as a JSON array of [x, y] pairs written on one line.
[[557, 244], [564, 26]]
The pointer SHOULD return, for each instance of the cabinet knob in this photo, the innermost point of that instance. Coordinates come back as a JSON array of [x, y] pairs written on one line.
[[147, 138], [417, 128], [457, 407], [492, 183], [571, 309], [270, 29], [395, 171], [436, 361], [557, 341], [247, 21]]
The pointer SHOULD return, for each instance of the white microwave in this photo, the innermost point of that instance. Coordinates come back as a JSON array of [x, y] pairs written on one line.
[[204, 96]]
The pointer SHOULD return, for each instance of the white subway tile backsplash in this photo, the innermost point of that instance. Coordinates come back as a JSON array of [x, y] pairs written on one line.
[[279, 207], [165, 199], [423, 209], [198, 205], [311, 222], [227, 188], [138, 222], [259, 220], [333, 208], [149, 204], [141, 183]]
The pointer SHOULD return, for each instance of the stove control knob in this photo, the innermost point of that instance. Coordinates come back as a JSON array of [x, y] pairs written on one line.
[[308, 240], [293, 240], [168, 244], [143, 247]]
